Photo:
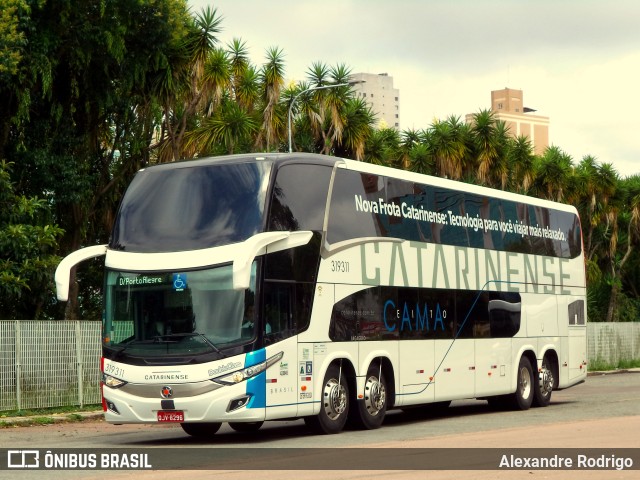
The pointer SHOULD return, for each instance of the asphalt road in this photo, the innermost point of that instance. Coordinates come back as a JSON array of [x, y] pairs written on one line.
[[604, 412]]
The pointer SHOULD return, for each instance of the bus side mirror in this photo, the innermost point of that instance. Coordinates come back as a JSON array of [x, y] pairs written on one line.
[[63, 272], [257, 245]]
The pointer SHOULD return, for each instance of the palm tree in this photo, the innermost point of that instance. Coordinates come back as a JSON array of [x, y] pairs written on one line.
[[421, 159], [272, 77], [239, 60], [247, 88], [306, 115], [597, 185], [383, 147], [409, 139], [499, 175], [486, 142], [182, 89], [230, 126], [553, 172], [521, 161], [334, 104], [358, 121], [448, 142]]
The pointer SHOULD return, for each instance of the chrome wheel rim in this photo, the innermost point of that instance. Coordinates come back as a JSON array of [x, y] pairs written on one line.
[[546, 381], [524, 383], [334, 399], [375, 396]]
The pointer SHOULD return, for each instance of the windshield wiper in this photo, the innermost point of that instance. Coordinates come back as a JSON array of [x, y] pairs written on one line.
[[189, 334]]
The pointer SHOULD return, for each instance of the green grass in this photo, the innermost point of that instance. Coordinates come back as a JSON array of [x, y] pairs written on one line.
[[599, 365], [73, 409], [46, 416]]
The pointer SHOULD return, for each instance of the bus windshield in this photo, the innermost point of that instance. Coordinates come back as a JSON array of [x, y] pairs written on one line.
[[191, 207], [177, 313]]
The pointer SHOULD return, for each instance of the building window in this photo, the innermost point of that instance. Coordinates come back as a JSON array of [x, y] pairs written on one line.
[[499, 106]]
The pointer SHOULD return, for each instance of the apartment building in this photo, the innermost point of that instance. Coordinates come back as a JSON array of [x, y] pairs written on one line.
[[508, 105], [378, 90]]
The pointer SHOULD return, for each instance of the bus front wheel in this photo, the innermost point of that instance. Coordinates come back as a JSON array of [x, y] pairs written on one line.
[[201, 430], [370, 411], [334, 406]]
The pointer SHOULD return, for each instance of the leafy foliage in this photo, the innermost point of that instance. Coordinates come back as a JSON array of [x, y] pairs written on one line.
[[27, 243], [91, 91]]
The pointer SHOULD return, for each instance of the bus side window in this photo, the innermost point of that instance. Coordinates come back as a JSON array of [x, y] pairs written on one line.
[[286, 310], [277, 311]]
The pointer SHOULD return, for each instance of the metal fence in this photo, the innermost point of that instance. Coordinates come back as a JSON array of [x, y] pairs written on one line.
[[49, 364], [57, 363]]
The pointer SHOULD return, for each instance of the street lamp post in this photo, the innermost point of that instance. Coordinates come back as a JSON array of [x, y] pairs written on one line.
[[311, 89]]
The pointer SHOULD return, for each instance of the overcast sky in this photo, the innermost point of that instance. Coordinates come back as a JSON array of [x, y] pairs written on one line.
[[577, 61]]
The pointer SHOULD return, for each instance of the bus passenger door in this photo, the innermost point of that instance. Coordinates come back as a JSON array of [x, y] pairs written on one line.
[[279, 332]]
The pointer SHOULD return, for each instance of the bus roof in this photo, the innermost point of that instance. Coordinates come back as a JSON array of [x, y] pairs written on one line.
[[283, 158]]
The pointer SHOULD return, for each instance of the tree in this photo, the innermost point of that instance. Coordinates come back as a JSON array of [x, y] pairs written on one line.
[[358, 120], [617, 259], [28, 240], [185, 82], [521, 164], [449, 144], [553, 172], [88, 85], [487, 144], [272, 81], [229, 127]]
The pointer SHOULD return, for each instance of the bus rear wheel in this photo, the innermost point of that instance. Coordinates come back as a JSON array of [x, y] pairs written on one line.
[[369, 412], [245, 427], [201, 430], [544, 384], [334, 407]]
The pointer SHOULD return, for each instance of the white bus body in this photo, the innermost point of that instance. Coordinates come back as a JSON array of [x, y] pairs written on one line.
[[249, 288]]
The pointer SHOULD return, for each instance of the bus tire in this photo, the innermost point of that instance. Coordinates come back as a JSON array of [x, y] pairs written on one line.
[[245, 427], [544, 384], [525, 386], [334, 407], [369, 412], [201, 430]]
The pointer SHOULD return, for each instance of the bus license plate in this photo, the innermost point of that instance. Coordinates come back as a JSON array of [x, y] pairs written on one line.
[[171, 416]]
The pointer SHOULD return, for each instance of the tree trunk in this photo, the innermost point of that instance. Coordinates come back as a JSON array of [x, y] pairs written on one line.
[[613, 301]]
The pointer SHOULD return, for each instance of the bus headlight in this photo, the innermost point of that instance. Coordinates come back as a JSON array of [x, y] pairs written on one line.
[[112, 382], [247, 373]]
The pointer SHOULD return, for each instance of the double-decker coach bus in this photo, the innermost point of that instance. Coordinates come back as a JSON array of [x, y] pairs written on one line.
[[249, 288]]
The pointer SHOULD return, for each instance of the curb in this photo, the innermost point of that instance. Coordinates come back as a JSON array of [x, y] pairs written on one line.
[[613, 372]]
